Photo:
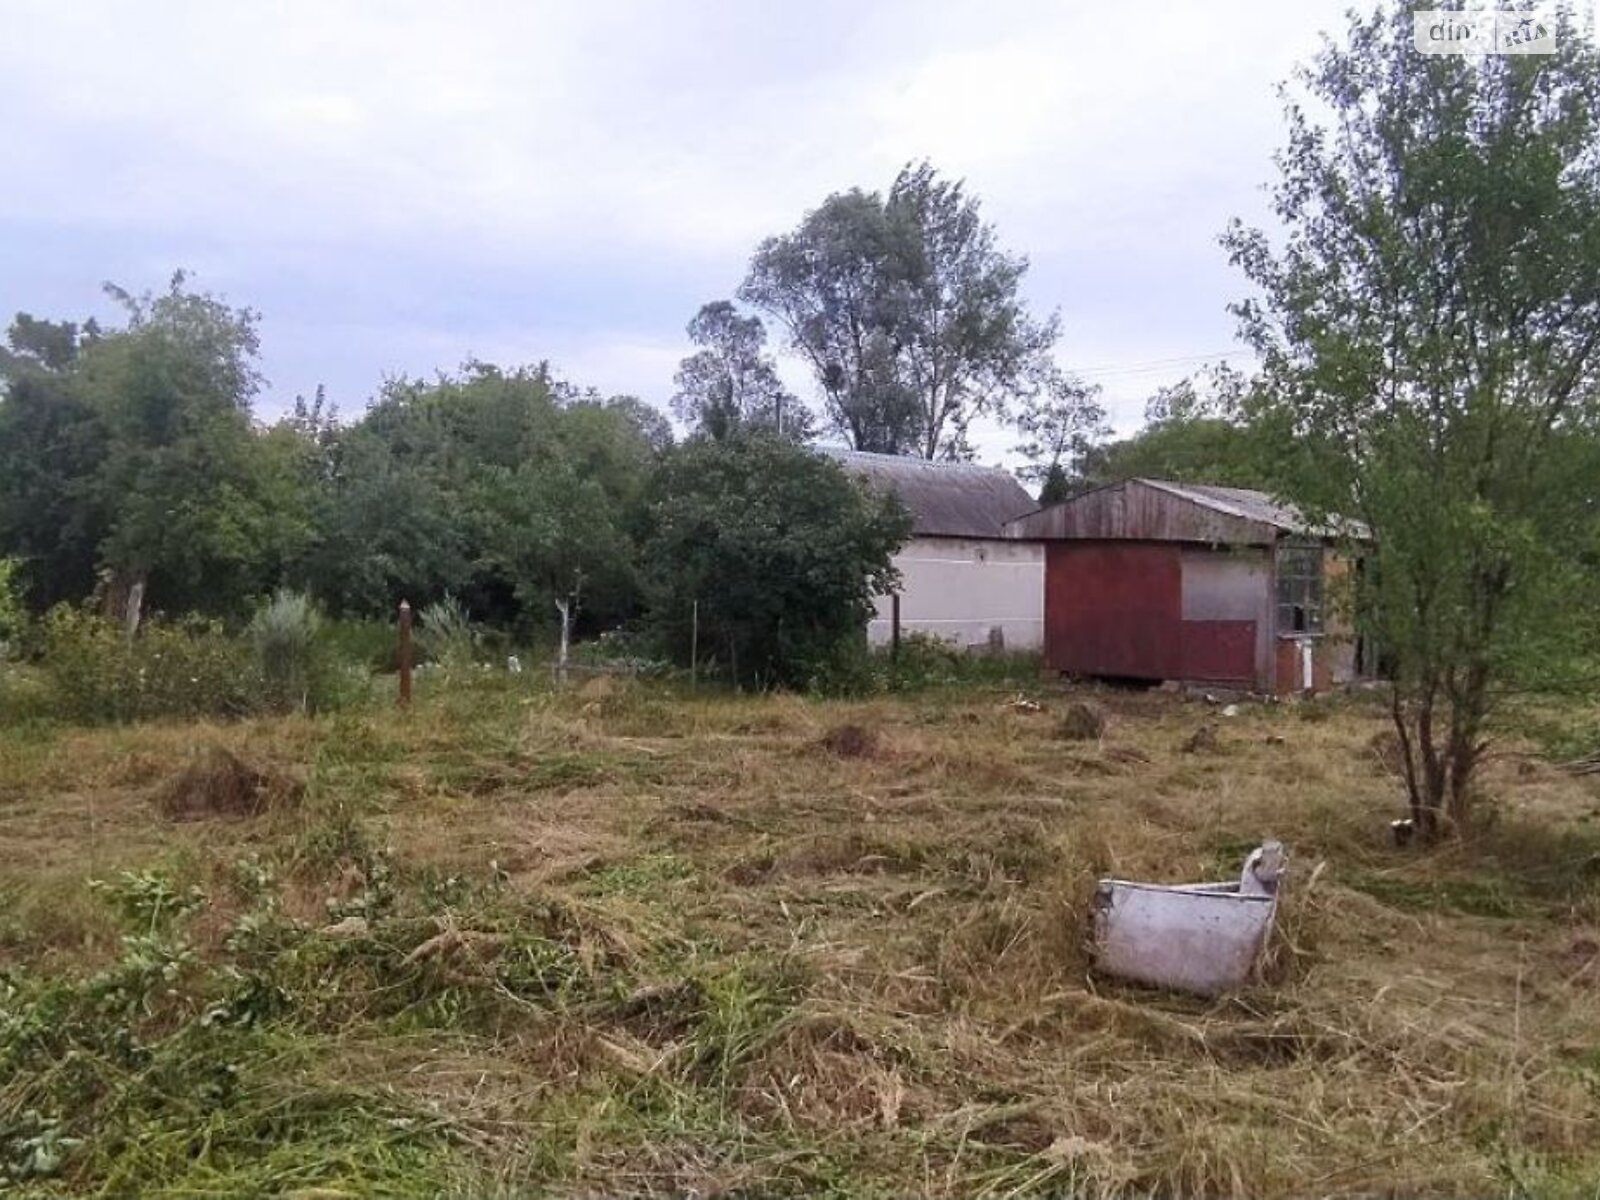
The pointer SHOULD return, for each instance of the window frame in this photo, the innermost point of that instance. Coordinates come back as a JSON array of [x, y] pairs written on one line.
[[1300, 586]]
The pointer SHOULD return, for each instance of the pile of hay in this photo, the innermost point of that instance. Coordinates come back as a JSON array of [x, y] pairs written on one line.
[[1081, 722], [218, 783], [852, 741]]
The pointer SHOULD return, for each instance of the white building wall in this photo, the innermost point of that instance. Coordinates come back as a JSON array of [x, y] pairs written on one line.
[[959, 589]]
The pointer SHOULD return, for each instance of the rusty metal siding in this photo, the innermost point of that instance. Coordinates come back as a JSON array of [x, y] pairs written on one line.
[[1114, 609], [1135, 511], [1219, 652], [1157, 610]]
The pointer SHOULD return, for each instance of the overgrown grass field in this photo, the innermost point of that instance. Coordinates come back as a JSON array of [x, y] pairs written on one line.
[[623, 941]]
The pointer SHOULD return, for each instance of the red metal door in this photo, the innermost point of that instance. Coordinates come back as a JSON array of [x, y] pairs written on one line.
[[1114, 608]]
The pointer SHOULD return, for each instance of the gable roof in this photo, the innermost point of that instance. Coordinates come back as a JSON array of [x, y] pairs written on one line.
[[944, 499], [1161, 510]]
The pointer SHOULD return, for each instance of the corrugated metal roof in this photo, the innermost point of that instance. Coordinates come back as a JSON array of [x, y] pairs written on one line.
[[1160, 510], [1252, 505], [944, 499]]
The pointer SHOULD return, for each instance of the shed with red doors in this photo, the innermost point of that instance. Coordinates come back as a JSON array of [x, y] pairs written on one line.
[[1152, 580]]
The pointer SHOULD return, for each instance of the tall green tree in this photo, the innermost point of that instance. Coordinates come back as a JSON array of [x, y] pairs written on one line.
[[730, 384], [781, 551], [131, 454], [1203, 429], [179, 485], [505, 488], [908, 313], [52, 443], [1062, 421], [1429, 323]]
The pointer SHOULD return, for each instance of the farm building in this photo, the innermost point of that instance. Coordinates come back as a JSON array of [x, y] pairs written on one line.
[[1146, 579], [961, 578]]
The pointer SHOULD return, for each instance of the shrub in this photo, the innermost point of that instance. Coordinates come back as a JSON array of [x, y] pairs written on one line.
[[186, 668], [369, 644], [923, 661], [91, 671], [284, 632], [446, 635], [13, 616], [777, 550], [848, 668], [24, 693], [626, 651]]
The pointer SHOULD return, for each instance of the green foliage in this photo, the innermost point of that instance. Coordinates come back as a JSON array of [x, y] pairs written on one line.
[[92, 671], [910, 316], [284, 632], [33, 1147], [1200, 430], [367, 644], [131, 452], [189, 668], [52, 446], [1061, 421], [627, 651], [782, 551], [446, 635], [13, 616], [112, 1078], [731, 383], [148, 900], [1430, 325], [505, 488], [1056, 487], [1202, 450], [922, 662], [130, 464]]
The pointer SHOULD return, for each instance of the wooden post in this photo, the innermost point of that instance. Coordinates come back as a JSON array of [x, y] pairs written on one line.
[[405, 652], [894, 625], [694, 646]]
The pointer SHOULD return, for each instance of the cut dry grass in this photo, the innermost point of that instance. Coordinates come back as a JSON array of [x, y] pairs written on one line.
[[218, 783], [621, 942]]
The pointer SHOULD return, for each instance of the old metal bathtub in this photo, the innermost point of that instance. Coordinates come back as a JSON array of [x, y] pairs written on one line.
[[1195, 937]]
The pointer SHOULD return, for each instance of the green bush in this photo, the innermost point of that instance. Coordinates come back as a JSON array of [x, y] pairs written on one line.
[[187, 668], [763, 558], [24, 693], [369, 644], [284, 632], [927, 661], [923, 661], [628, 651], [13, 616], [90, 671], [848, 669], [446, 635]]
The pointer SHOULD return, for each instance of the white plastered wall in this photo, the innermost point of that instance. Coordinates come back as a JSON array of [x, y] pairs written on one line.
[[959, 589]]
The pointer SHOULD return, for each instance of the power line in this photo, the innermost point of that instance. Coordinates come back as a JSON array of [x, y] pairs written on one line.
[[1153, 364]]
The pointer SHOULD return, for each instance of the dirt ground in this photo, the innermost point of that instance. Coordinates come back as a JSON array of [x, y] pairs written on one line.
[[621, 941]]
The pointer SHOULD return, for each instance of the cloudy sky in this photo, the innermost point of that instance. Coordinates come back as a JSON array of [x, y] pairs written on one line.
[[397, 186]]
